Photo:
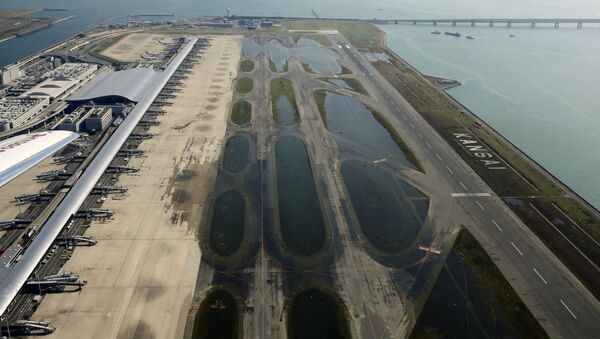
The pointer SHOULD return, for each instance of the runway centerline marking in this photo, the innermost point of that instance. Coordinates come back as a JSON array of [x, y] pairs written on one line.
[[438, 156], [539, 275], [479, 204], [568, 309], [420, 135], [449, 170], [462, 195], [428, 145], [463, 186], [516, 248], [496, 224], [411, 125]]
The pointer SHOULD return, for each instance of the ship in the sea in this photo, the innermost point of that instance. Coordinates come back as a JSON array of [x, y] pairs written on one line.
[[436, 32], [470, 37], [453, 34]]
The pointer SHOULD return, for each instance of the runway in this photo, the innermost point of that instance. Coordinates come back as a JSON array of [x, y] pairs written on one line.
[[555, 297]]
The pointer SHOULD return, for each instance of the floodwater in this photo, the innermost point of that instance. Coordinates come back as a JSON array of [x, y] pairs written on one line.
[[538, 89], [227, 226], [340, 83], [287, 114], [91, 13], [241, 113], [389, 218], [235, 158], [350, 120], [218, 317], [302, 226], [317, 315], [320, 59], [473, 300]]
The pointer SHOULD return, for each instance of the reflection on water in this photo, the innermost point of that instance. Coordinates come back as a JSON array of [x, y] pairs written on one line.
[[349, 119], [315, 314], [286, 112], [227, 226], [300, 216], [388, 218], [320, 59], [218, 317], [236, 154]]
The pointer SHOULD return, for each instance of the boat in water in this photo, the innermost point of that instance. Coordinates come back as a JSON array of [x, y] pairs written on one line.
[[453, 34], [512, 35], [436, 32], [470, 37]]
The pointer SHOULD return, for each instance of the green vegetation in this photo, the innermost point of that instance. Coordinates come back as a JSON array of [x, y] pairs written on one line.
[[447, 116], [472, 299], [283, 87], [360, 33], [274, 69], [322, 39], [352, 83], [241, 112], [308, 69], [247, 66], [244, 85]]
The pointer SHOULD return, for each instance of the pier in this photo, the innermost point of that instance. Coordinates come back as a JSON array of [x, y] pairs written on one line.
[[490, 22]]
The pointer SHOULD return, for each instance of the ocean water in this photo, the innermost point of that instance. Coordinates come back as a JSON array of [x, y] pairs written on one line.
[[539, 89]]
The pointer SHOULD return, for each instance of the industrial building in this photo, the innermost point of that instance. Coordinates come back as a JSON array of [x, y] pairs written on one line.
[[9, 73], [16, 111], [88, 119]]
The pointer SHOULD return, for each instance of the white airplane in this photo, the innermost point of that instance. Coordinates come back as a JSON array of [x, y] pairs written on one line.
[[20, 153]]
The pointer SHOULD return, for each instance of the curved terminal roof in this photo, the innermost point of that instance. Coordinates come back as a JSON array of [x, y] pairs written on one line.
[[132, 84], [20, 153]]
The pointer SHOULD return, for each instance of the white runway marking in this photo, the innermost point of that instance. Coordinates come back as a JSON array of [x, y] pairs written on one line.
[[411, 125], [539, 275], [428, 145], [496, 224], [420, 135], [438, 156], [479, 204], [568, 309], [463, 186], [449, 170], [516, 248], [461, 195]]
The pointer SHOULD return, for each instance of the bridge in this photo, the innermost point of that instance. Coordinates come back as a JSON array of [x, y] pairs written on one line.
[[490, 22]]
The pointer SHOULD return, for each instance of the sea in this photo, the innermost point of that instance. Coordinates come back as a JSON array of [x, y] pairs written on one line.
[[540, 88]]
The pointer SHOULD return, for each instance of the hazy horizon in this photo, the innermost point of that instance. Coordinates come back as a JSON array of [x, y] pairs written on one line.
[[352, 8]]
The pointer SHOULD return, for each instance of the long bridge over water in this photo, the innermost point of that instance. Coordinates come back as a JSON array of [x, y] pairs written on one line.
[[491, 22]]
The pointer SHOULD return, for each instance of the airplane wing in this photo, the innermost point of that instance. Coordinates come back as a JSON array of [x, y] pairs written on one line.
[[20, 153]]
